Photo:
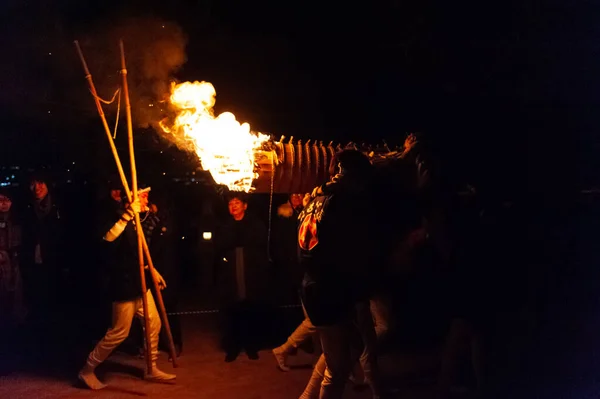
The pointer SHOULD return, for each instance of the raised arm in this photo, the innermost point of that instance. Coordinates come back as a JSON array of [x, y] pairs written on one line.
[[117, 229]]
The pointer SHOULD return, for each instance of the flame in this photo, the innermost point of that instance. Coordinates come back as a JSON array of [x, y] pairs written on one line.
[[224, 146]]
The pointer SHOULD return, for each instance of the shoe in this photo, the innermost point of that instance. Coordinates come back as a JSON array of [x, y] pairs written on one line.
[[252, 355], [159, 376], [88, 377], [281, 358], [231, 356]]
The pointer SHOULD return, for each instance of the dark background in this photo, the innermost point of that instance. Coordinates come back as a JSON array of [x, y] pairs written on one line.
[[506, 91]]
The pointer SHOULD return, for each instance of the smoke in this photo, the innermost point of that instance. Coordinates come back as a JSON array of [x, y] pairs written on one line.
[[154, 52], [42, 79]]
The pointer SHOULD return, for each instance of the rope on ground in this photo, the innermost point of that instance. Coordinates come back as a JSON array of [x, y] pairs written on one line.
[[209, 311]]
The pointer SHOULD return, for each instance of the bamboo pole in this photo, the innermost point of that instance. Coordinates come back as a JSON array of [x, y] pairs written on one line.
[[138, 224], [141, 237], [129, 197]]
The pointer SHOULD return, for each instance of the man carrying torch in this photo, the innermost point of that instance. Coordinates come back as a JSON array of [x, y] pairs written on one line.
[[126, 294]]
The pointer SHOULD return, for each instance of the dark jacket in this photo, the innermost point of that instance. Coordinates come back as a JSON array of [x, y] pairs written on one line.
[[338, 263], [284, 243], [122, 264], [43, 225], [251, 235]]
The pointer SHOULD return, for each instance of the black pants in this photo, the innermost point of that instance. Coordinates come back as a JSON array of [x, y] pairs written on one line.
[[39, 289], [243, 326]]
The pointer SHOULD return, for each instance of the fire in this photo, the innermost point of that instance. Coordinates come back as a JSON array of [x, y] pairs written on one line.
[[224, 146]]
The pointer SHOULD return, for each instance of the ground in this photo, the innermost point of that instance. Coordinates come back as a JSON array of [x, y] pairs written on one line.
[[201, 373]]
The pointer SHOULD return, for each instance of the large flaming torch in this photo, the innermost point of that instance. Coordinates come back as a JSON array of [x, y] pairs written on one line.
[[244, 160]]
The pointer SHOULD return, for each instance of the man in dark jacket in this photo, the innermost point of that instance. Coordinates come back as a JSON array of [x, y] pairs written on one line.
[[337, 243], [126, 293], [40, 254], [241, 244]]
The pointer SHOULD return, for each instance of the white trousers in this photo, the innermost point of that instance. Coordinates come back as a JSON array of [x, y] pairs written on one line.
[[122, 317]]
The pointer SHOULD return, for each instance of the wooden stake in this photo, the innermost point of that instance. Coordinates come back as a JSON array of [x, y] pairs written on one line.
[[128, 193], [141, 237], [138, 224]]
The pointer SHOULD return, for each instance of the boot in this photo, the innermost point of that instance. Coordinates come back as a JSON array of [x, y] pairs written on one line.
[[281, 353], [158, 375], [87, 375]]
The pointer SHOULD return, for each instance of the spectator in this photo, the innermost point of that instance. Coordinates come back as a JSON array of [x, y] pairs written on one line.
[[40, 255], [11, 304], [284, 248], [242, 247]]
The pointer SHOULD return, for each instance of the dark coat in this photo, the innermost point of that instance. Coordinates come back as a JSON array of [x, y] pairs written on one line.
[[339, 268], [284, 244], [122, 263], [251, 235], [43, 225]]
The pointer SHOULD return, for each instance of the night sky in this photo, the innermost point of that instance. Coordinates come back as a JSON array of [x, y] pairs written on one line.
[[507, 93]]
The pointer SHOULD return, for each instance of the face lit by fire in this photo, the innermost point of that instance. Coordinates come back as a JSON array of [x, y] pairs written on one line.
[[296, 200], [237, 208], [225, 147], [39, 189], [143, 200], [5, 203]]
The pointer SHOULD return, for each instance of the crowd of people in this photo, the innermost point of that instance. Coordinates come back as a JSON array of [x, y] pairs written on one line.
[[341, 250]]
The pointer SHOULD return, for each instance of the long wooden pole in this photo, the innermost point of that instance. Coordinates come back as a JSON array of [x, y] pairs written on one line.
[[138, 224], [141, 236], [129, 197]]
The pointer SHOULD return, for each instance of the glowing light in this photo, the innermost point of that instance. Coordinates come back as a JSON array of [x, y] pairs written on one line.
[[207, 235], [224, 146]]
